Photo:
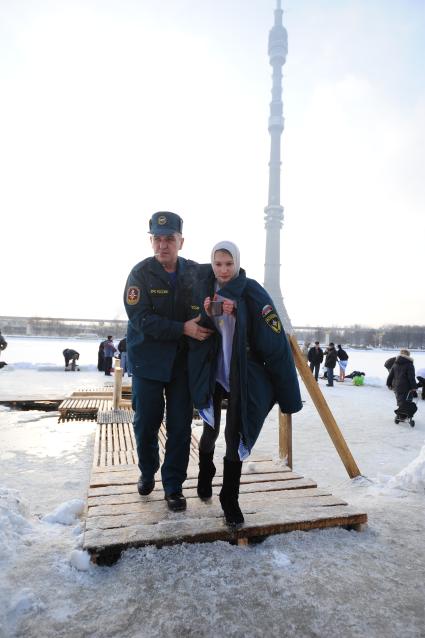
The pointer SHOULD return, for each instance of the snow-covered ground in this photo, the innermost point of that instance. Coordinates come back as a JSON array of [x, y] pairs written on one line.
[[313, 584]]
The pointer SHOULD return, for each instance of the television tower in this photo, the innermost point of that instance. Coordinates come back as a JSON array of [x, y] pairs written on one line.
[[277, 50]]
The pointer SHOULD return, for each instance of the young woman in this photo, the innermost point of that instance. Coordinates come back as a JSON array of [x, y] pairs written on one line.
[[248, 361]]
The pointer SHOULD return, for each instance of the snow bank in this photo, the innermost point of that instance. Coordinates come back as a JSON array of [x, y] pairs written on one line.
[[14, 525], [412, 477], [67, 513], [44, 367]]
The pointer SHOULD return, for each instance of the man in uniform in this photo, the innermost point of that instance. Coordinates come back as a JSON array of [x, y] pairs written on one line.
[[158, 301]]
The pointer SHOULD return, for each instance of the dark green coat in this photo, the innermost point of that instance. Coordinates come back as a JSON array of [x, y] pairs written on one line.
[[262, 363]]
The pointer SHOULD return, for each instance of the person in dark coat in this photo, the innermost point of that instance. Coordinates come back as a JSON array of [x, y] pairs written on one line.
[[122, 349], [315, 358], [389, 363], [330, 363], [248, 361], [342, 361], [420, 375], [3, 343], [70, 356], [101, 357], [159, 302], [402, 378], [109, 350]]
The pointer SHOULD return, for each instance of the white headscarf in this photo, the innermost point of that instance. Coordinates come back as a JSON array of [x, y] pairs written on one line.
[[233, 250]]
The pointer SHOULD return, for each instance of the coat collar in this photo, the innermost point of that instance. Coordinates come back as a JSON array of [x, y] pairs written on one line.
[[157, 269]]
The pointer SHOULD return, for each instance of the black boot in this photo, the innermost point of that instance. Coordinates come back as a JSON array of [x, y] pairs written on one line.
[[230, 492], [206, 475]]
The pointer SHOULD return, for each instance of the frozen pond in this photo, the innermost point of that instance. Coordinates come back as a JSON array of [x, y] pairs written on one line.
[[300, 584]]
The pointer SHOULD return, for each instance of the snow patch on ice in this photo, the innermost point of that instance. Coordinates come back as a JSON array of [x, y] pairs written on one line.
[[67, 513], [412, 477], [13, 521], [376, 382], [28, 417], [279, 559], [23, 602], [80, 560]]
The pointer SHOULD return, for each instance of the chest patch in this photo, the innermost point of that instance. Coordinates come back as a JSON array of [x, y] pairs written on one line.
[[133, 295], [159, 291], [273, 321]]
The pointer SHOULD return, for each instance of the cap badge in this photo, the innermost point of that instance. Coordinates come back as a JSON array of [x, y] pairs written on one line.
[[162, 220]]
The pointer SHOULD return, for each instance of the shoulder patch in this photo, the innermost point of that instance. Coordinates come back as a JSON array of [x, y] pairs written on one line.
[[266, 310], [133, 295], [273, 321]]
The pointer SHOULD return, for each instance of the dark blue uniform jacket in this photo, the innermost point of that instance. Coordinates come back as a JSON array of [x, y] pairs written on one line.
[[262, 362], [157, 311]]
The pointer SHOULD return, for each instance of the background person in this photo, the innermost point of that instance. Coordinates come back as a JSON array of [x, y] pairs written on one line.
[[3, 343], [420, 375], [248, 360], [122, 349], [305, 350], [101, 357], [401, 378], [330, 363], [70, 356], [315, 357], [109, 350], [342, 361], [158, 301]]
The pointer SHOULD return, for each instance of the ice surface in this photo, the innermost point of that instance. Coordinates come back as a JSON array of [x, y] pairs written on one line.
[[310, 585]]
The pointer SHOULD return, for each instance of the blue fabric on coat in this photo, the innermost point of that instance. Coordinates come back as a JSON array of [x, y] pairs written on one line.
[[266, 370]]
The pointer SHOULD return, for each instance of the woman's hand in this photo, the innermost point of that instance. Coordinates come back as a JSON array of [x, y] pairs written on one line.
[[207, 304], [228, 307]]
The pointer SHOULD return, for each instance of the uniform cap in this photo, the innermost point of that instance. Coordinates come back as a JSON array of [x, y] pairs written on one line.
[[165, 223]]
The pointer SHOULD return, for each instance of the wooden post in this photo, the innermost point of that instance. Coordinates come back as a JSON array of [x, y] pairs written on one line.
[[117, 384], [285, 438], [323, 409]]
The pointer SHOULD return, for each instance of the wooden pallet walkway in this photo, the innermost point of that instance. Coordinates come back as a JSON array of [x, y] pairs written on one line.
[[84, 404], [274, 499]]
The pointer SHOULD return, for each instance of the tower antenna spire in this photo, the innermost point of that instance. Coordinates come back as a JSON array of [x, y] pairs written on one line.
[[277, 50]]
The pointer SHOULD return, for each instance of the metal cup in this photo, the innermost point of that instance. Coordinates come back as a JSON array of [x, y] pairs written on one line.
[[216, 308]]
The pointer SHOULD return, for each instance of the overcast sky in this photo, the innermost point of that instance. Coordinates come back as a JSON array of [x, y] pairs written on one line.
[[112, 109]]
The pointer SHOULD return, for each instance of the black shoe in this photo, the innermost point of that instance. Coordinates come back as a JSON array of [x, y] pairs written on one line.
[[328, 385], [176, 502], [145, 487], [206, 474]]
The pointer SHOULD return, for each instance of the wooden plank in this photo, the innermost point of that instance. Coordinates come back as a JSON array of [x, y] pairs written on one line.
[[109, 542], [132, 496], [255, 501], [131, 476], [96, 453], [102, 447]]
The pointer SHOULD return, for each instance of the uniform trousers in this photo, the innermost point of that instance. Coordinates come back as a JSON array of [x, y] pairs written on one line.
[[149, 400], [232, 429]]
